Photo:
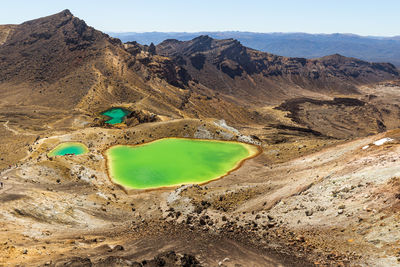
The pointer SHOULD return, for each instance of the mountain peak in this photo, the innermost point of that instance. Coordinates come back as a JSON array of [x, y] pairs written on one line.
[[60, 16], [339, 58], [202, 42], [60, 33], [66, 12], [203, 38], [171, 41]]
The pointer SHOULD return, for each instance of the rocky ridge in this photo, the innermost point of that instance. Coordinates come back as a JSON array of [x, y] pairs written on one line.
[[230, 64]]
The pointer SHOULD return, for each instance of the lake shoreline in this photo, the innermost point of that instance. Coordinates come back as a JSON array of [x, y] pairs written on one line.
[[253, 150], [64, 145]]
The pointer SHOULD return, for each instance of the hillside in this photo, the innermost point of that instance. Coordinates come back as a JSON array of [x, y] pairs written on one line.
[[232, 67], [323, 189], [95, 70], [369, 48], [63, 52]]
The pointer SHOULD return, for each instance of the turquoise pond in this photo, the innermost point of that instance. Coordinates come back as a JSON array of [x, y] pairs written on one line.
[[69, 148], [116, 115]]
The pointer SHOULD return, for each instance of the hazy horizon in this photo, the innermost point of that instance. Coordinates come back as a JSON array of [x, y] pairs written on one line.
[[365, 18], [317, 33]]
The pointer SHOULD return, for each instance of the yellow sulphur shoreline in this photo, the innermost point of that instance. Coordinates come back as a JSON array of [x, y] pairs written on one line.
[[252, 151]]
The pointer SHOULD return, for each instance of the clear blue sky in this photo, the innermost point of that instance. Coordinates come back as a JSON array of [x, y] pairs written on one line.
[[365, 17]]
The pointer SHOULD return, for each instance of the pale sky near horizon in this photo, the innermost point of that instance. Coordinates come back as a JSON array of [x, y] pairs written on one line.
[[363, 17]]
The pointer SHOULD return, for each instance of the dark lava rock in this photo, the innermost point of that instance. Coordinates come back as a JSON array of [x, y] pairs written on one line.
[[198, 209], [75, 262], [205, 203], [166, 259], [189, 260], [169, 259]]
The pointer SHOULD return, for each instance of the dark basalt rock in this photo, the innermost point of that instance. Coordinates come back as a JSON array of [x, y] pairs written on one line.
[[231, 68], [198, 61], [167, 259]]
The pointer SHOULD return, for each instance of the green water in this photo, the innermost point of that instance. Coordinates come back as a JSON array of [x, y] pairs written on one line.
[[174, 161], [68, 148], [116, 115]]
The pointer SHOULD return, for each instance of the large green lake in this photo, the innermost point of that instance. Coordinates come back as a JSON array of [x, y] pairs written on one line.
[[68, 148], [116, 115], [174, 161]]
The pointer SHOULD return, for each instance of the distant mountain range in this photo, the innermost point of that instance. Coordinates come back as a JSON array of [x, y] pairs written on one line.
[[369, 48]]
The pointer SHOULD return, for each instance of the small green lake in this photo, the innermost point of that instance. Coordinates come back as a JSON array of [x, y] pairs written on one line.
[[69, 148], [116, 115], [174, 161]]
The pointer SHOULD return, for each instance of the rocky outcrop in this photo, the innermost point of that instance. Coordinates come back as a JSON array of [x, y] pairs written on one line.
[[139, 116], [211, 61], [162, 67]]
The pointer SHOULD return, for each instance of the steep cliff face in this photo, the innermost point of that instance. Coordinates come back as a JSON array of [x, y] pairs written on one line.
[[161, 67], [228, 65]]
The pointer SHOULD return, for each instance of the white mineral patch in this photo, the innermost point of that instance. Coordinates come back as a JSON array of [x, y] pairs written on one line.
[[382, 141], [241, 137], [100, 194], [365, 147], [202, 133], [248, 139], [222, 123], [175, 195]]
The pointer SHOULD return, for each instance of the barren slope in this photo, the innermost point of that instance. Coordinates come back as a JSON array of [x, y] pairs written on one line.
[[312, 196]]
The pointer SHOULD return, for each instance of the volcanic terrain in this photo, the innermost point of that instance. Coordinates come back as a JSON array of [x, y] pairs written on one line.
[[324, 191]]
